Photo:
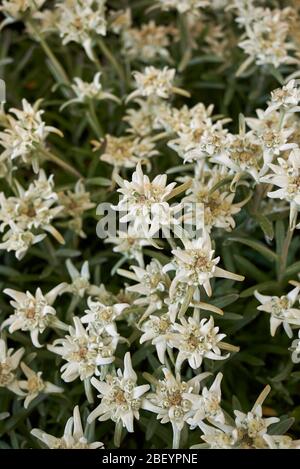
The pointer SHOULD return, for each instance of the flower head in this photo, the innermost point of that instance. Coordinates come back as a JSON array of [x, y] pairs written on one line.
[[16, 9], [286, 176], [84, 350], [295, 349], [81, 22], [86, 91], [102, 317], [196, 265], [171, 401], [25, 134], [9, 363], [80, 285], [183, 6], [281, 310], [121, 398], [196, 340], [73, 437], [33, 313], [34, 385], [145, 203], [155, 83], [30, 211], [285, 98]]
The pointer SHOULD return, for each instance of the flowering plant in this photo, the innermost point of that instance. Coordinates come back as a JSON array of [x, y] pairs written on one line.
[[149, 224]]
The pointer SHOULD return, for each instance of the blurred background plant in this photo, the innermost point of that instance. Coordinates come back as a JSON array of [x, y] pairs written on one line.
[[41, 52]]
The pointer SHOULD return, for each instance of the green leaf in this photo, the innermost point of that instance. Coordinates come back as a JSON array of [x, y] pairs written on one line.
[[8, 271], [266, 225], [162, 258], [98, 181], [257, 246], [221, 183], [230, 317], [250, 359], [225, 300], [68, 253], [276, 74], [292, 270], [270, 285], [236, 405], [280, 428], [280, 236], [248, 269]]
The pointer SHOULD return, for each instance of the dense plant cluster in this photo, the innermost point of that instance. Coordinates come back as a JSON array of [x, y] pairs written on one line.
[[149, 228]]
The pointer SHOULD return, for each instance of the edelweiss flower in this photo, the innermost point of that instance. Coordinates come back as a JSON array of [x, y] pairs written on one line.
[[84, 351], [35, 385], [126, 152], [73, 437], [16, 9], [31, 210], [286, 176], [267, 40], [171, 401], [25, 135], [253, 426], [81, 21], [285, 98], [74, 204], [34, 313], [86, 91], [155, 83], [196, 340], [102, 317], [199, 134], [146, 118], [19, 241], [145, 203], [152, 285], [130, 244], [9, 362], [219, 208], [119, 20], [220, 41], [250, 430], [295, 349], [243, 153], [274, 141], [183, 6], [121, 399], [186, 120], [196, 266], [207, 405], [149, 42], [281, 310], [46, 20], [80, 285], [179, 296], [158, 329], [216, 438]]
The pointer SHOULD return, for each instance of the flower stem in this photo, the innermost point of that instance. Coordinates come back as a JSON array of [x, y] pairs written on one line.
[[284, 253], [118, 434], [93, 120], [110, 57], [176, 438], [60, 72], [186, 42], [63, 164]]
